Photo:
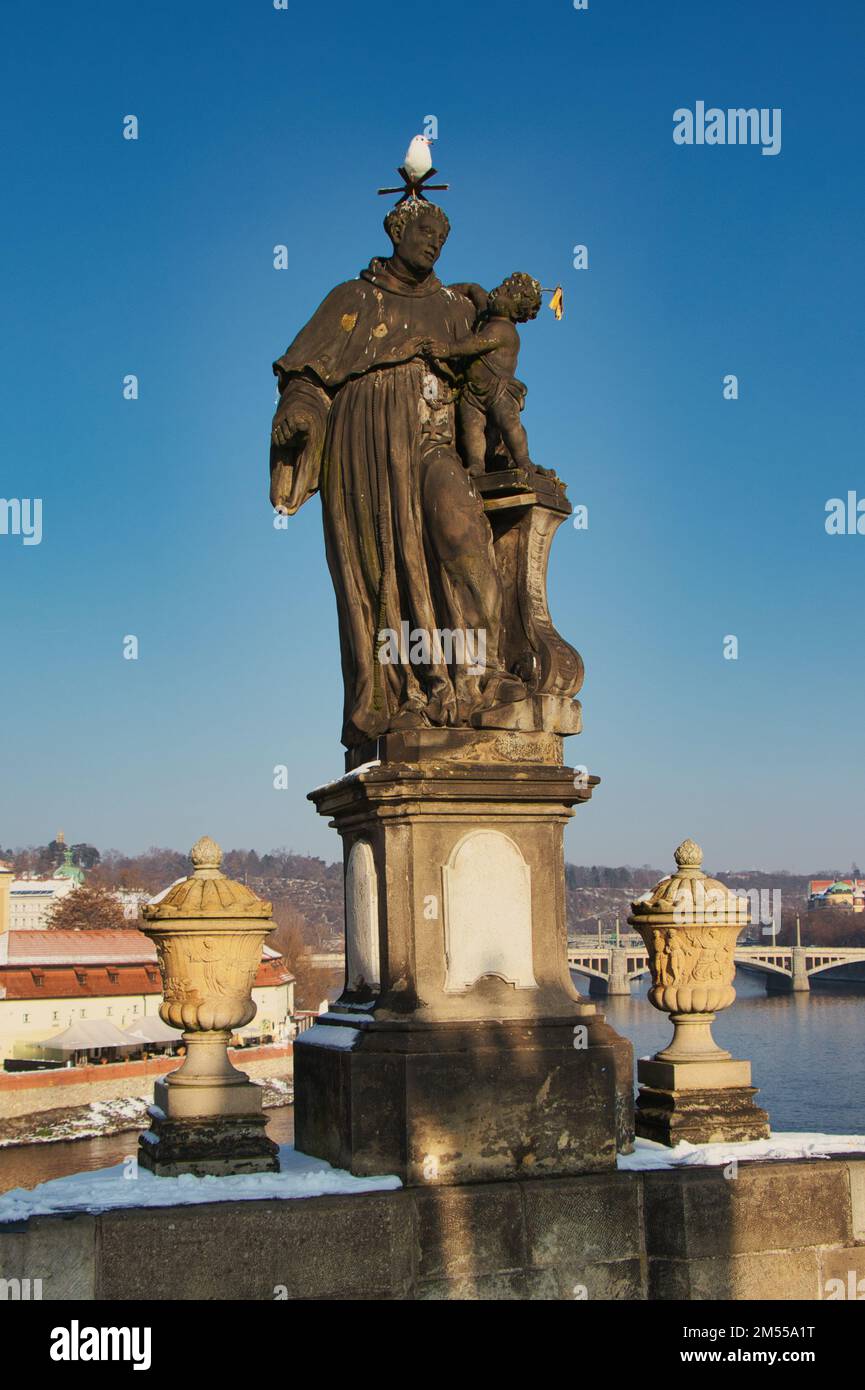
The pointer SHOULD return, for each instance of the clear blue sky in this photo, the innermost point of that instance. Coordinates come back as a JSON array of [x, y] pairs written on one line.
[[154, 257]]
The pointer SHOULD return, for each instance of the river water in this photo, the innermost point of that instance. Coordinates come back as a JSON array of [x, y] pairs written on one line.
[[806, 1052]]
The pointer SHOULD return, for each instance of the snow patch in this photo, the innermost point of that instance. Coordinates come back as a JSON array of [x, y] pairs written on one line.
[[323, 1035], [348, 776], [647, 1154], [127, 1185]]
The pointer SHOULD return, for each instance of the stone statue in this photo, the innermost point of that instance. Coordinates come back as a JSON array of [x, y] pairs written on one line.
[[394, 399], [399, 404]]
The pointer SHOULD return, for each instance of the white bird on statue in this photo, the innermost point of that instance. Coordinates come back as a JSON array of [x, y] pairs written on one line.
[[418, 160]]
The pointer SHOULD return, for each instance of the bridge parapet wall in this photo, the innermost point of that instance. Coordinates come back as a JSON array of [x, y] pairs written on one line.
[[781, 1230]]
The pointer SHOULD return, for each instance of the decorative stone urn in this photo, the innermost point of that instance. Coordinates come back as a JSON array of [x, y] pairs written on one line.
[[208, 931], [693, 1089]]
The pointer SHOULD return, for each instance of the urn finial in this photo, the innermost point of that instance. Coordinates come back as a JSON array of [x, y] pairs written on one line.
[[205, 854], [689, 855]]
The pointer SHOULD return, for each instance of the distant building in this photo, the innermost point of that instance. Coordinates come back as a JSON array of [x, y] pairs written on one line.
[[31, 900], [848, 893], [69, 870], [131, 900]]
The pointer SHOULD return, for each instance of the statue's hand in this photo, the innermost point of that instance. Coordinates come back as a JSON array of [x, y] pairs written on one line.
[[433, 348], [291, 429], [290, 432]]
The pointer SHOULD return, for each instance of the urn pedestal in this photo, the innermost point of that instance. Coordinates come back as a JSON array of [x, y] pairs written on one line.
[[207, 1116], [459, 1050], [693, 1090]]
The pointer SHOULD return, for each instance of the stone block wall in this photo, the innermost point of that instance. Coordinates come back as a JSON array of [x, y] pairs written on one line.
[[777, 1230]]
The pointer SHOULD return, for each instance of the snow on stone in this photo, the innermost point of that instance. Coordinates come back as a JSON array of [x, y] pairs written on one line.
[[362, 1014], [647, 1154], [127, 1185], [325, 1035], [348, 776]]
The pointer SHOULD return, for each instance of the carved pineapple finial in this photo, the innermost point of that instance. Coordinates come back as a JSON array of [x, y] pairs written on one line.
[[205, 854], [689, 855]]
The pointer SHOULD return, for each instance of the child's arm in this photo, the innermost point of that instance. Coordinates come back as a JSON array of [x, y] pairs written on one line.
[[474, 345]]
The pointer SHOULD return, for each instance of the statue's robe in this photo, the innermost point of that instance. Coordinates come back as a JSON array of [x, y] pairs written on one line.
[[376, 410]]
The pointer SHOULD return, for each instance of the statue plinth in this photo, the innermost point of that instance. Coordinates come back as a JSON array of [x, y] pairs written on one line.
[[460, 1050]]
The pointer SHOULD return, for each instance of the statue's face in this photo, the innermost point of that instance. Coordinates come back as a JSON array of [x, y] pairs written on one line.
[[421, 243]]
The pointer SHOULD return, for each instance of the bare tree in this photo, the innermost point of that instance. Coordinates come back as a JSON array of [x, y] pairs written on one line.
[[87, 907]]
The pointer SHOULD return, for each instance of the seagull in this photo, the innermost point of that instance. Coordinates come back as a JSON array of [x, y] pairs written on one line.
[[418, 160], [415, 170]]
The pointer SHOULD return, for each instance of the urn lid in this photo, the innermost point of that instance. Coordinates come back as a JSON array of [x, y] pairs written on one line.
[[207, 892], [689, 897]]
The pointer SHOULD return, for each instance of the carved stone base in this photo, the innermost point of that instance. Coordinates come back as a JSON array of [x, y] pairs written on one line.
[[554, 714], [460, 1046], [452, 1103], [465, 746], [712, 1116], [219, 1146]]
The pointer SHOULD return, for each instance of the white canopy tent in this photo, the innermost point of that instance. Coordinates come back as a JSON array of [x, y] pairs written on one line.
[[86, 1035], [152, 1030]]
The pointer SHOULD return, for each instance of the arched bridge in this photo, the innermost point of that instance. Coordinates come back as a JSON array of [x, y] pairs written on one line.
[[612, 969]]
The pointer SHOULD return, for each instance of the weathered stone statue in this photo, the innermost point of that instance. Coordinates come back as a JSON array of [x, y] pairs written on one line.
[[459, 1049], [394, 400]]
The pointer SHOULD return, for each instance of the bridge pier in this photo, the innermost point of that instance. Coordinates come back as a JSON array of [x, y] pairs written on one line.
[[619, 982], [796, 982], [609, 970], [801, 981]]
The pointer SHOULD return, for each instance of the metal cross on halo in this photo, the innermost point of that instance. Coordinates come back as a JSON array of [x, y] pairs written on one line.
[[415, 188]]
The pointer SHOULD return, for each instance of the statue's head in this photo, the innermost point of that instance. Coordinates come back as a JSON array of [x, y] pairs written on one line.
[[418, 231], [517, 298]]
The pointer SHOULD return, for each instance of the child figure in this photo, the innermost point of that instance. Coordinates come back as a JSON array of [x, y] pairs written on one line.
[[491, 393]]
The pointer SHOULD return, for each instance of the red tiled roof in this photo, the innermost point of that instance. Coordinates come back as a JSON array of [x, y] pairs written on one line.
[[97, 945], [62, 982], [79, 964]]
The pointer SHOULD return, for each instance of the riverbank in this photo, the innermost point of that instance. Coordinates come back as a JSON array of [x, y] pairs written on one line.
[[101, 1118], [70, 1088]]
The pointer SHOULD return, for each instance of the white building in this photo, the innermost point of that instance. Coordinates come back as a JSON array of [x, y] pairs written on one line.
[[31, 901], [131, 900]]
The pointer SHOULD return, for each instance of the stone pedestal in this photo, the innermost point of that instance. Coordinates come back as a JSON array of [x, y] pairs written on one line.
[[459, 1050], [215, 1145], [207, 1116], [703, 1102]]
